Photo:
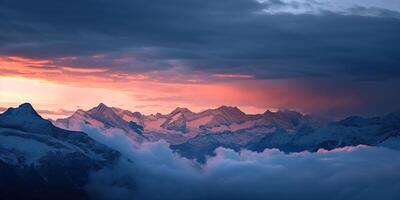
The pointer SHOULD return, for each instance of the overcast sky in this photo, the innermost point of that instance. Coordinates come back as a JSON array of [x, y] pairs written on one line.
[[331, 57]]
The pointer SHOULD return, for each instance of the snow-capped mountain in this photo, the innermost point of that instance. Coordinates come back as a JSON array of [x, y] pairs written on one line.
[[212, 120], [181, 124], [106, 119], [291, 133], [227, 118], [196, 135], [39, 158]]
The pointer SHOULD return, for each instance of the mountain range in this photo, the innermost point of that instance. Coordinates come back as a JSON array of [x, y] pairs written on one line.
[[197, 135], [46, 159], [181, 124]]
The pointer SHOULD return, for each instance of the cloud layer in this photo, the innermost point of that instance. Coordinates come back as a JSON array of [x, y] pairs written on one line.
[[152, 171], [232, 37]]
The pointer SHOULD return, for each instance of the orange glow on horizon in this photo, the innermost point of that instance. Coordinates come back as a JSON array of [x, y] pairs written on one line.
[[52, 87]]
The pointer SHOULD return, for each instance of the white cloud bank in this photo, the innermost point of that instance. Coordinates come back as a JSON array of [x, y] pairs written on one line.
[[153, 171], [346, 7]]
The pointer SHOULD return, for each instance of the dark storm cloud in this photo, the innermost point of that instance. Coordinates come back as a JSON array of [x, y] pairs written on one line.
[[226, 36]]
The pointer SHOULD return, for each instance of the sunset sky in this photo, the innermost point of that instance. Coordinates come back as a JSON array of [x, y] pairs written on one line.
[[325, 57]]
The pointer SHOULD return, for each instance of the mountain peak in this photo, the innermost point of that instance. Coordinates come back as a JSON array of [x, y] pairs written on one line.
[[223, 107], [24, 109], [227, 114], [102, 105], [25, 118], [100, 109], [230, 109], [268, 112], [79, 112], [181, 110]]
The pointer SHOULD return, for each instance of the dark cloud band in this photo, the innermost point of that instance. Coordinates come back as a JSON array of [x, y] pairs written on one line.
[[208, 36]]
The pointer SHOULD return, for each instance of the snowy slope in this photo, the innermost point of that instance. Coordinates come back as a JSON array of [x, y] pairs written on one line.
[[198, 134], [37, 156], [288, 134], [181, 124], [106, 119]]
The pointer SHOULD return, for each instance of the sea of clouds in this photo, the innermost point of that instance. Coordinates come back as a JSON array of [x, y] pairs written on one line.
[[153, 171]]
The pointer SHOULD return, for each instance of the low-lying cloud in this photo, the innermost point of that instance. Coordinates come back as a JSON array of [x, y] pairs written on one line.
[[153, 171]]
